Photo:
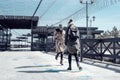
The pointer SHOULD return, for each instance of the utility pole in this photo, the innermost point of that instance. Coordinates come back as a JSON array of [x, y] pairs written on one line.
[[87, 17]]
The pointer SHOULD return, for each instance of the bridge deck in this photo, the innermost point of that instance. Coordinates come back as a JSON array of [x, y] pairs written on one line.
[[26, 65]]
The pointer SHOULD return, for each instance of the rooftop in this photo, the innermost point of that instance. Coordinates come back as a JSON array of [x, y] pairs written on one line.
[[18, 22]]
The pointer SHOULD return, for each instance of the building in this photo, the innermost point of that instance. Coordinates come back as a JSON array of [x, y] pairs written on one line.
[[8, 22], [43, 39]]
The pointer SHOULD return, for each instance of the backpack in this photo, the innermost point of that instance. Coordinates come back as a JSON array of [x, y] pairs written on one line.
[[73, 36]]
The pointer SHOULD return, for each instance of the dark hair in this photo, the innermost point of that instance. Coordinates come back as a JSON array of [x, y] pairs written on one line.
[[70, 21], [58, 30]]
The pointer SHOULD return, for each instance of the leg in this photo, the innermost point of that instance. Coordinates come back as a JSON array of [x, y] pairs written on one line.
[[77, 61], [61, 58], [69, 61], [56, 57]]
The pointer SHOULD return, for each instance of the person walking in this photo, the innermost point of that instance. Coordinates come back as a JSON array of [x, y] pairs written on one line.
[[59, 43], [72, 43]]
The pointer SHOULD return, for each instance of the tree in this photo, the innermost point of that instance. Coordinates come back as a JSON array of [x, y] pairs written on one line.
[[115, 32]]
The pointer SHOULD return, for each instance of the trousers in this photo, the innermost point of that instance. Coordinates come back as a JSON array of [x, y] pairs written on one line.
[[70, 59]]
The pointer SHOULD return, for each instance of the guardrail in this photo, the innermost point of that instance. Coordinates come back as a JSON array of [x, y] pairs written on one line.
[[101, 49]]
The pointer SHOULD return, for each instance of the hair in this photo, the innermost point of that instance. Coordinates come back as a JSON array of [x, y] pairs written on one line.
[[70, 21], [58, 30]]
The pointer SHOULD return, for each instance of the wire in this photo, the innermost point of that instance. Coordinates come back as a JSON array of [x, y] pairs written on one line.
[[36, 9], [97, 6], [68, 16], [48, 8]]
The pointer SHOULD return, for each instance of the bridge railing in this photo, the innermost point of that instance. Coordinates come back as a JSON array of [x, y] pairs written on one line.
[[101, 49]]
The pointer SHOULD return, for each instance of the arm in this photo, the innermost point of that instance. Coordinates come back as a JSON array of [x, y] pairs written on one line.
[[66, 36]]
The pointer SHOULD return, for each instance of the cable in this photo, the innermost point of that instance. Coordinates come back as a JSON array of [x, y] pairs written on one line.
[[48, 8], [68, 16], [36, 9], [98, 6]]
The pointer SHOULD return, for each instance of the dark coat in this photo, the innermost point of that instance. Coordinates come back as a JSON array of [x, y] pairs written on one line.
[[72, 46]]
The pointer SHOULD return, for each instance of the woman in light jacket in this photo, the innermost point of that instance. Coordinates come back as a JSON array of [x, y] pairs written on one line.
[[59, 43]]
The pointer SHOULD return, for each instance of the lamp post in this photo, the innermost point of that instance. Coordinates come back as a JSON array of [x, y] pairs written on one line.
[[87, 3], [90, 31], [91, 20]]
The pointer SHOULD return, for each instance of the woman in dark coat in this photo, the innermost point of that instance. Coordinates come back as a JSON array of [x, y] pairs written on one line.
[[72, 46]]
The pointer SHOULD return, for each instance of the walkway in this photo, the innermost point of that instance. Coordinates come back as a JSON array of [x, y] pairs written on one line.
[[41, 66]]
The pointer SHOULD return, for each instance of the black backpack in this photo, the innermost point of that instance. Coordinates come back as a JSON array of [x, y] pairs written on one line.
[[73, 36]]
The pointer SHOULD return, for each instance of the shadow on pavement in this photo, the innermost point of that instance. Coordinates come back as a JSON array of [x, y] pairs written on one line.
[[44, 71], [35, 66]]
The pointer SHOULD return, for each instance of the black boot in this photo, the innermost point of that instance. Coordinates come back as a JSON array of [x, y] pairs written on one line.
[[77, 61], [61, 58], [56, 57], [79, 67], [69, 61], [61, 62], [69, 68]]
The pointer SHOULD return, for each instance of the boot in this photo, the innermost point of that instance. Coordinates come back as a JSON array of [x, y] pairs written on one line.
[[79, 67], [69, 61], [56, 57], [61, 62], [61, 58], [69, 68]]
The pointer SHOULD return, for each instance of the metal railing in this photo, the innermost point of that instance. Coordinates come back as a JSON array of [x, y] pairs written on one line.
[[101, 49]]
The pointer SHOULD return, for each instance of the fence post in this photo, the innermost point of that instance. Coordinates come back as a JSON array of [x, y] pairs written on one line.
[[81, 50], [101, 50], [114, 52]]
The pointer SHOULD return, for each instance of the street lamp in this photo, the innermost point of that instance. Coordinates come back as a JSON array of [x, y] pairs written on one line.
[[91, 2], [90, 32], [91, 20]]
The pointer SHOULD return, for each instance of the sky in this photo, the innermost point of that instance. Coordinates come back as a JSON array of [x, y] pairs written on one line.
[[107, 18], [52, 11]]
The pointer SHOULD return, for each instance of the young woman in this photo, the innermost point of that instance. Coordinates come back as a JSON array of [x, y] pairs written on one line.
[[73, 45], [59, 41]]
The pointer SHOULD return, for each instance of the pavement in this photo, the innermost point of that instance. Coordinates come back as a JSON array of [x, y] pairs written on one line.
[[36, 65]]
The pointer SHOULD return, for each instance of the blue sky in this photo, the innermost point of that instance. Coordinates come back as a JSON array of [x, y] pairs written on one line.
[[109, 17], [106, 18]]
